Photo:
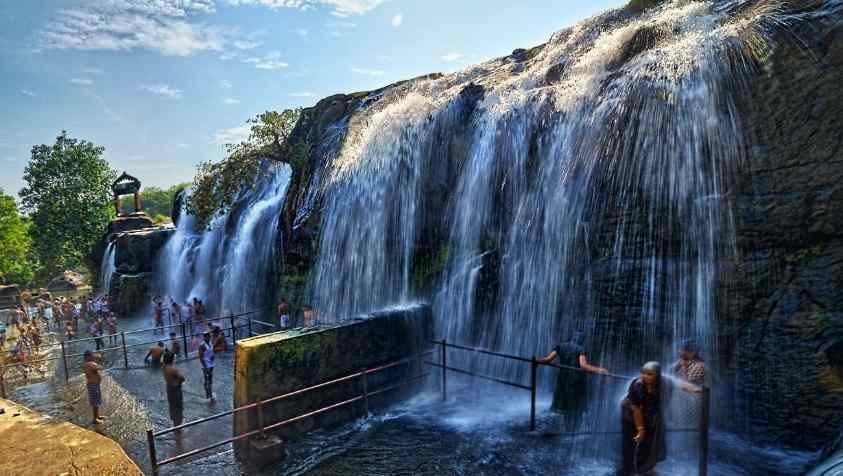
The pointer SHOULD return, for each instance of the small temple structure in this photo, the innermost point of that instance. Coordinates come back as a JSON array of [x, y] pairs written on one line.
[[126, 185]]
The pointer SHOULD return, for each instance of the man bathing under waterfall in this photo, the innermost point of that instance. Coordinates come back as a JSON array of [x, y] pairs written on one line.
[[570, 393]]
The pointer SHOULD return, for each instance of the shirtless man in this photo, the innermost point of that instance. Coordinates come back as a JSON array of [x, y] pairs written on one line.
[[174, 380], [93, 379], [154, 355], [159, 317]]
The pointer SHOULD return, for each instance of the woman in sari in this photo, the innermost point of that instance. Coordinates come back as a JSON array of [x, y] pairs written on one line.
[[642, 419]]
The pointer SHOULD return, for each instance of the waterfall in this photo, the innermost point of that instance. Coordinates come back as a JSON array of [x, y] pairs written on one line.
[[591, 192], [107, 269], [229, 265]]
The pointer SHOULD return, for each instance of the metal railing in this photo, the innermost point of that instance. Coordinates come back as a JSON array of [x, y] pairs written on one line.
[[186, 330], [259, 405], [705, 400]]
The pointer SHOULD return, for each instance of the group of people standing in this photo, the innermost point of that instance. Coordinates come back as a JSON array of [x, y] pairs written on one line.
[[285, 317], [642, 409], [191, 312]]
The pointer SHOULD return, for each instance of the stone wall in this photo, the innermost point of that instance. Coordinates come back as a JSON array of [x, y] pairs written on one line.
[[782, 319], [135, 257], [283, 362]]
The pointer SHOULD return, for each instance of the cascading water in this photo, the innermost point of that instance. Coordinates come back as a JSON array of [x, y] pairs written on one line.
[[592, 195], [107, 269], [230, 265]]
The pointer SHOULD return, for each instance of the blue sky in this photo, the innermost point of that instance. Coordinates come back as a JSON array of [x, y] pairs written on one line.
[[162, 84]]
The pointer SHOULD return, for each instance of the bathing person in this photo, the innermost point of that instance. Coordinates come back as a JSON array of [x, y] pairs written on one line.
[[176, 311], [174, 380], [220, 345], [283, 314], [111, 322], [175, 345], [93, 379], [154, 355], [159, 317], [206, 358], [642, 421], [690, 367], [685, 409], [308, 316], [570, 393]]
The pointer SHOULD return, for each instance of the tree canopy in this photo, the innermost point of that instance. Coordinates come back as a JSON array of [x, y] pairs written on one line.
[[67, 196], [15, 264], [217, 185], [158, 202]]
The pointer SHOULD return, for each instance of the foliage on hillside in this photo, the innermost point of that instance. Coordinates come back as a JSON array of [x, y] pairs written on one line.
[[218, 185]]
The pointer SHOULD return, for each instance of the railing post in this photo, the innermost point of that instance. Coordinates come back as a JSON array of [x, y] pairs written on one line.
[[704, 426], [365, 381], [534, 367], [444, 360], [184, 337], [64, 359], [153, 458], [3, 382], [125, 353], [233, 330], [259, 409]]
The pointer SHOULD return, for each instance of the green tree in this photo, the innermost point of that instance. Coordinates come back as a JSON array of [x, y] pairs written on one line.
[[67, 196], [15, 265], [158, 202], [217, 185]]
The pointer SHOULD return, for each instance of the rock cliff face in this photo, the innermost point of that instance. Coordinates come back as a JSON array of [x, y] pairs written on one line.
[[780, 311], [782, 316], [134, 243]]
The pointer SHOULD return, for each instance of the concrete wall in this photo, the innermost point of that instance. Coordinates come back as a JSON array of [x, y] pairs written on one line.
[[282, 362]]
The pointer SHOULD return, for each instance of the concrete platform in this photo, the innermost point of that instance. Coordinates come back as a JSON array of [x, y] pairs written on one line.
[[33, 445]]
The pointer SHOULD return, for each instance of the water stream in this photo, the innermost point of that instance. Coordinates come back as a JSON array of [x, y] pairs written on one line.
[[230, 264]]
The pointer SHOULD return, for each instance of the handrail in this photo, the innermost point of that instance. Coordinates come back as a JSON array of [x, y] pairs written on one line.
[[528, 360], [151, 435], [705, 401]]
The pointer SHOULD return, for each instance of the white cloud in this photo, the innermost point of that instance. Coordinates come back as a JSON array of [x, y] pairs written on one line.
[[451, 57], [271, 61], [339, 8], [160, 25], [163, 90], [367, 72], [303, 94], [397, 20], [245, 44], [182, 145], [232, 101], [225, 84], [233, 135], [81, 81], [301, 31], [27, 92]]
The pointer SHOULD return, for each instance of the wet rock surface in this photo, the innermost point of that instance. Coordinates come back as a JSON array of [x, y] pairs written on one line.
[[34, 445], [782, 319]]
